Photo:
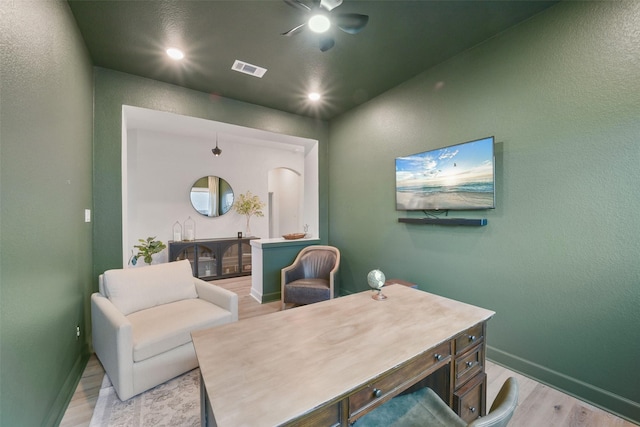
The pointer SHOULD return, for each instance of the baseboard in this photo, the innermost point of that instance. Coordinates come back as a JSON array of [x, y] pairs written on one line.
[[256, 295], [271, 297], [265, 298], [610, 402], [346, 292], [59, 407]]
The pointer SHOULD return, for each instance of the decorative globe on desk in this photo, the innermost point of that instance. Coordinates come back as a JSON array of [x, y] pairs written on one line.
[[376, 279]]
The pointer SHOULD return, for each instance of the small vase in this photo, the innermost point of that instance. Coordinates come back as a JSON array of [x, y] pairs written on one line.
[[140, 262]]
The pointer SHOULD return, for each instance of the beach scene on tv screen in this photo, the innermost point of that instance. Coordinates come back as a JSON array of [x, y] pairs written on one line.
[[455, 177]]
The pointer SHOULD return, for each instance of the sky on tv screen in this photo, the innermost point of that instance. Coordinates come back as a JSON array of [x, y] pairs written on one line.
[[455, 177]]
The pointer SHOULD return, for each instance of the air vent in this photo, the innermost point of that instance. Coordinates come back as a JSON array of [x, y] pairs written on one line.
[[252, 70]]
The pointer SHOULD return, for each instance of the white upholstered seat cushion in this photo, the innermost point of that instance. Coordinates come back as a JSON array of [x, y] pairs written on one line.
[[162, 328], [134, 289]]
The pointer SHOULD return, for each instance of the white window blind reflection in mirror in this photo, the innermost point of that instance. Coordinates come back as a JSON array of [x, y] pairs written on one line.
[[211, 196]]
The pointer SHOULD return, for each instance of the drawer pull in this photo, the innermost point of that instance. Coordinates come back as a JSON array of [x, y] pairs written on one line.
[[377, 392], [472, 409], [469, 364], [472, 338], [438, 356]]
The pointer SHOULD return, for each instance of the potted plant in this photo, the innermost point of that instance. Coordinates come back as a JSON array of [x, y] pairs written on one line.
[[146, 249], [248, 205]]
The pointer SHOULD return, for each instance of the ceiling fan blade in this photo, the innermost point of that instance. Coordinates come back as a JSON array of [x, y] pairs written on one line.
[[294, 30], [330, 4], [326, 43], [298, 5], [351, 23]]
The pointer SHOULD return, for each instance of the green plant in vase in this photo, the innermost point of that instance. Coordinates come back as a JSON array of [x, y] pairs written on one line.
[[146, 249], [248, 205]]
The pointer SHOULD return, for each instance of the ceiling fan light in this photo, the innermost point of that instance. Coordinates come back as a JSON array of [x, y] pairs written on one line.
[[175, 53], [319, 23]]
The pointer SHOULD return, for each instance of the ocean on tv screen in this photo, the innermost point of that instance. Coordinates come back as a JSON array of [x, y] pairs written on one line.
[[458, 177]]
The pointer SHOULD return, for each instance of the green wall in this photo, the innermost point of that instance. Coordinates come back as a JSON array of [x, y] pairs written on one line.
[[46, 107], [559, 258], [114, 89]]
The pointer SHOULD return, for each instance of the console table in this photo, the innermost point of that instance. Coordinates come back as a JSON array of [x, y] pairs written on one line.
[[214, 258], [327, 364]]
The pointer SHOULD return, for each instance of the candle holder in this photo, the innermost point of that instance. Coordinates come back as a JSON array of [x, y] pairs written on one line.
[[189, 230], [177, 232]]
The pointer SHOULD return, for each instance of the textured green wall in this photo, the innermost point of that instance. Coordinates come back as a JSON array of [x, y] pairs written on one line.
[[559, 259], [114, 89], [45, 173]]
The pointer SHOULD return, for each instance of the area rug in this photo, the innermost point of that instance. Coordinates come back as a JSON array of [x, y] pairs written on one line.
[[175, 403]]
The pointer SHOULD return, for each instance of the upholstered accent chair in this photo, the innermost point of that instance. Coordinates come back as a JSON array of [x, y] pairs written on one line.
[[425, 408], [312, 276], [142, 319]]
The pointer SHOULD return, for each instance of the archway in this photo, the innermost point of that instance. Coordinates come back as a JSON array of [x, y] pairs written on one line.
[[286, 202]]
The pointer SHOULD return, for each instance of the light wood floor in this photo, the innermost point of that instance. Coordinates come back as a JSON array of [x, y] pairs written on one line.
[[538, 405]]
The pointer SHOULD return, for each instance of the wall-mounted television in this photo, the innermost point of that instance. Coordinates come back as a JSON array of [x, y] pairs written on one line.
[[457, 177]]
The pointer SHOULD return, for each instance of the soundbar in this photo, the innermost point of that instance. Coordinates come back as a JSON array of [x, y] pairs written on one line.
[[445, 221]]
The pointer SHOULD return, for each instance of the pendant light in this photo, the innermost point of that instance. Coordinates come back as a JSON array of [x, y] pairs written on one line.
[[216, 151]]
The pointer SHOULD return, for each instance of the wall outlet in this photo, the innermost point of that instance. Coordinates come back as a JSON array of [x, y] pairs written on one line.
[[87, 215], [77, 331]]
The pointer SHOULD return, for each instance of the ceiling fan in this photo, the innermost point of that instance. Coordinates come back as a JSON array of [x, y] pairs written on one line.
[[321, 19]]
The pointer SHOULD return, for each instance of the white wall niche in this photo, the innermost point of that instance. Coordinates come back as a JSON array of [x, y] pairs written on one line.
[[163, 154]]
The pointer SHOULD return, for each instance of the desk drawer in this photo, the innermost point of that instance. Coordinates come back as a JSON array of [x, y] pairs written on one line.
[[470, 399], [328, 416], [469, 365], [469, 338], [389, 385]]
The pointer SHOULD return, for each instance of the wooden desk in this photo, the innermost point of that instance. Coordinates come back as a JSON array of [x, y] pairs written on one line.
[[329, 363]]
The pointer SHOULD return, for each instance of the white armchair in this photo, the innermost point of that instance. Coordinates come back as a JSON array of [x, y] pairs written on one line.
[[142, 319]]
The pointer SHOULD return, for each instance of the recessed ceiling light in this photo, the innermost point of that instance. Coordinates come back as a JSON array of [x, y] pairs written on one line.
[[175, 53], [314, 96], [319, 23]]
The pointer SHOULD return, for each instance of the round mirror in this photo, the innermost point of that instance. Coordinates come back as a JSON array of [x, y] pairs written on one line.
[[211, 196]]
